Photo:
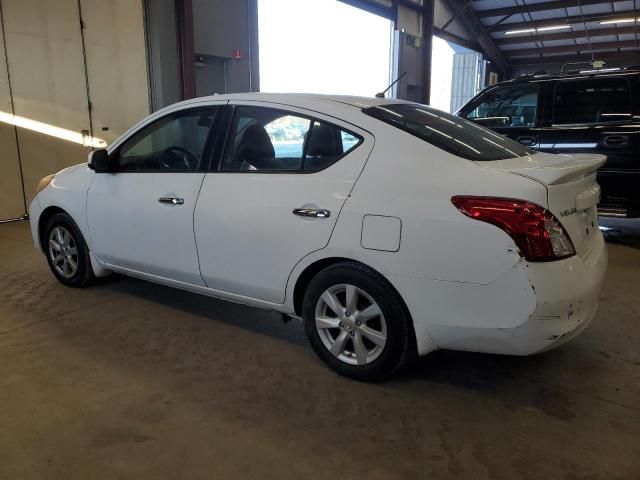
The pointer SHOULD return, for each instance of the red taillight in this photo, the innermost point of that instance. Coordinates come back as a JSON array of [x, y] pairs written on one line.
[[536, 232]]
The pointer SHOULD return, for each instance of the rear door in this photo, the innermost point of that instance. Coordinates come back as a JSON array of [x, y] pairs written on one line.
[[512, 110], [594, 115], [274, 197]]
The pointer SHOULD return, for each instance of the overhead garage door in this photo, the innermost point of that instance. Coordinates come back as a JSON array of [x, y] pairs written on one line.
[[11, 195], [45, 58], [54, 68]]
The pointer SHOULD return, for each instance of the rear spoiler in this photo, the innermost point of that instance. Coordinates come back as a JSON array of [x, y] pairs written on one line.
[[550, 169]]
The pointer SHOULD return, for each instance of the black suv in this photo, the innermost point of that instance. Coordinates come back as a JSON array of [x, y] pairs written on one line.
[[579, 112]]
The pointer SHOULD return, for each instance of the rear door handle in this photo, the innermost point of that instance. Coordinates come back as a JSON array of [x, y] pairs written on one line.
[[312, 212], [616, 140], [171, 200], [527, 141]]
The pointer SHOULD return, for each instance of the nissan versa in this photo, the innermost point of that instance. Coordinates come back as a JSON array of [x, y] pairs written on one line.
[[390, 228]]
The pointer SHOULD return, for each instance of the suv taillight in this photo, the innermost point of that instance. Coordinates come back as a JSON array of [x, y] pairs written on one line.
[[537, 233]]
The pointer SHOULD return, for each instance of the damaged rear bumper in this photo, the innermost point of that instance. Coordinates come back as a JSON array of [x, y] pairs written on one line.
[[532, 308]]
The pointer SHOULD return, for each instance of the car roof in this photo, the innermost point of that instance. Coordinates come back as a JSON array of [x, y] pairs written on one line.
[[300, 99], [343, 107]]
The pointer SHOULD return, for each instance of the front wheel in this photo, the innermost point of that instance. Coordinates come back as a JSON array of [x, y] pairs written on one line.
[[67, 252], [357, 323]]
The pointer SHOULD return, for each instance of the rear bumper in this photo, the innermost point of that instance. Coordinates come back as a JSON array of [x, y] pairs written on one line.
[[532, 308], [568, 295]]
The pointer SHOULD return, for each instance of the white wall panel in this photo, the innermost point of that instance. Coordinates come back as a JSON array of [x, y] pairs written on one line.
[[116, 64], [11, 201], [49, 82], [44, 53]]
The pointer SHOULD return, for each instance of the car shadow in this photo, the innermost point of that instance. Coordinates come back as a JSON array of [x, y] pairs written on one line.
[[263, 322], [481, 373]]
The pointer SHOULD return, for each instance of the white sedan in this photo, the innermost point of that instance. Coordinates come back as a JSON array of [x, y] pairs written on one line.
[[390, 228]]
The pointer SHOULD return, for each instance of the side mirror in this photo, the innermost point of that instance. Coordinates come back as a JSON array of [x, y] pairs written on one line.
[[99, 161]]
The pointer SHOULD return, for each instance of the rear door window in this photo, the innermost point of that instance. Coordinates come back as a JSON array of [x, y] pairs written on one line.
[[271, 140], [447, 132], [512, 106], [590, 101]]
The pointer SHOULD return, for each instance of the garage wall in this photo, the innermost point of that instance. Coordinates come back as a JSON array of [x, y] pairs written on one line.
[[163, 52], [51, 84], [45, 61], [220, 28], [116, 65], [12, 204]]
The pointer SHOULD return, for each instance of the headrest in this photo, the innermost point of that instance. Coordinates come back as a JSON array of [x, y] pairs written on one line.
[[324, 142], [256, 144]]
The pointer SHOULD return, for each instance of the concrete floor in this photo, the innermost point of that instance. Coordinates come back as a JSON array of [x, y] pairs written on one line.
[[133, 380]]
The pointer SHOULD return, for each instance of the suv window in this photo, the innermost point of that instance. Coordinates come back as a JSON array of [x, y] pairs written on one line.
[[271, 140], [173, 143], [591, 101], [512, 106], [452, 134]]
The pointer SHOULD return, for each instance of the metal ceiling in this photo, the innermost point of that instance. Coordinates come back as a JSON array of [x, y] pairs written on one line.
[[542, 30]]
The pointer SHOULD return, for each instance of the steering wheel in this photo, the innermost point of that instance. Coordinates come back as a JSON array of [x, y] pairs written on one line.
[[188, 159]]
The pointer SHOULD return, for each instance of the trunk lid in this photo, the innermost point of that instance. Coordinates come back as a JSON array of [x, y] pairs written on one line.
[[572, 191]]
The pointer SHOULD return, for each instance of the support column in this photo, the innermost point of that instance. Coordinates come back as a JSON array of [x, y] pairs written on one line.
[[427, 44], [184, 9]]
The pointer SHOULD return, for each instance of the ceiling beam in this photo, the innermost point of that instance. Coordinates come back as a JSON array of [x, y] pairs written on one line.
[[595, 32], [478, 32], [372, 7], [450, 37], [582, 48], [411, 5], [535, 7], [631, 56], [593, 17]]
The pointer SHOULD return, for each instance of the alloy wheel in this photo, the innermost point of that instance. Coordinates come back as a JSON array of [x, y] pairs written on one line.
[[350, 324], [63, 252]]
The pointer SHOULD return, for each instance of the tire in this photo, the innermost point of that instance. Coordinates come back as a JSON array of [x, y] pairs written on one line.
[[386, 341], [67, 252]]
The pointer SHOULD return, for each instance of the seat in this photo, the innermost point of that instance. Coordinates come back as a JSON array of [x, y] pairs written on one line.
[[255, 150], [325, 146]]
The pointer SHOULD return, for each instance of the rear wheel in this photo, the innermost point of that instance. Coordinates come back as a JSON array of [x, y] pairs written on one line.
[[67, 252], [357, 323]]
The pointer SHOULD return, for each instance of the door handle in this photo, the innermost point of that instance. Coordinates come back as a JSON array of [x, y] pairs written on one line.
[[312, 212], [616, 140], [528, 141], [171, 200]]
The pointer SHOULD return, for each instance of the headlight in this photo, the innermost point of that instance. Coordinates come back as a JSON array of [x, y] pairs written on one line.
[[43, 183]]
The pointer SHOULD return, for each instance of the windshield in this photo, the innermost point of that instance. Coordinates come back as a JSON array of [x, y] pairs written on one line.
[[452, 134]]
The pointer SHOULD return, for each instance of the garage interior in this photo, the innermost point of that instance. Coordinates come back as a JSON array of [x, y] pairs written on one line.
[[130, 379]]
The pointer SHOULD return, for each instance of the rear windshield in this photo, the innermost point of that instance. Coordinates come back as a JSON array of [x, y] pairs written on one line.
[[452, 134]]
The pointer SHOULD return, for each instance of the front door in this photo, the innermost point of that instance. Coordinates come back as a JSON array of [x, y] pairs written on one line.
[[141, 216], [274, 198]]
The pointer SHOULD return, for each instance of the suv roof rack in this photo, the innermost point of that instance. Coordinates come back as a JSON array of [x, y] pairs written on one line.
[[541, 74]]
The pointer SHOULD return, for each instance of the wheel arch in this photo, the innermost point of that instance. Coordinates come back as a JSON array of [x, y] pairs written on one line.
[[311, 270], [46, 214]]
